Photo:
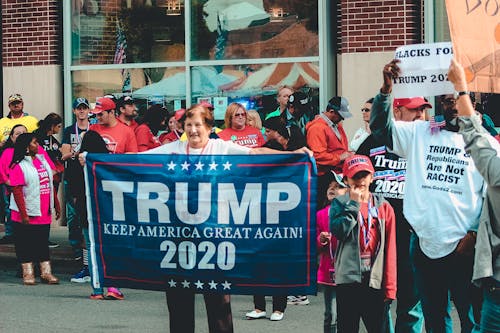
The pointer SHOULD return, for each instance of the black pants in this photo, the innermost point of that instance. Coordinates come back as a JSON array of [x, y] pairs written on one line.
[[31, 242], [279, 303], [181, 311], [357, 300]]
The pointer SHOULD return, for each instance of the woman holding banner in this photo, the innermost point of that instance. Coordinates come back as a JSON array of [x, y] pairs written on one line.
[[198, 125]]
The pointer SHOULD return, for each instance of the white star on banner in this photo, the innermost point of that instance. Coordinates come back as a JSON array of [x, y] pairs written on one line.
[[199, 284], [226, 285], [172, 283], [185, 284], [227, 165], [171, 165], [199, 165], [185, 166], [213, 284], [213, 166]]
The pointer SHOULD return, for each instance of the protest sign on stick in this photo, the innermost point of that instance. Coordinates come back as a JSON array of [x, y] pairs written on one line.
[[475, 32], [424, 70], [209, 223]]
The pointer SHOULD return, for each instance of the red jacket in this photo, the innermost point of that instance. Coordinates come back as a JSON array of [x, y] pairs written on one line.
[[326, 146]]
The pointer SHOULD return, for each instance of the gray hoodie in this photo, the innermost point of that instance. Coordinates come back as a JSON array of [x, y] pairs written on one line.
[[485, 152]]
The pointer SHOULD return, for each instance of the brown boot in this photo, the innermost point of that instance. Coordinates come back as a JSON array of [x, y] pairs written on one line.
[[46, 273], [28, 274]]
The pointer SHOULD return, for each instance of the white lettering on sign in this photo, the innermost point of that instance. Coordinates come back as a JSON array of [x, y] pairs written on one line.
[[153, 197]]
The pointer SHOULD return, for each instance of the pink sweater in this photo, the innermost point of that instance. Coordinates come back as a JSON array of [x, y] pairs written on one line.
[[326, 262]]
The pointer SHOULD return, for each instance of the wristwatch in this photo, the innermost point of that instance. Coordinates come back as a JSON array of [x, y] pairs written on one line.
[[461, 93]]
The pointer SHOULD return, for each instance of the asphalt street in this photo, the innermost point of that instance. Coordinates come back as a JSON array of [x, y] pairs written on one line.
[[67, 308]]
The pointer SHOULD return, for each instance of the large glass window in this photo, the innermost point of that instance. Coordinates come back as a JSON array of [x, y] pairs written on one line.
[[114, 32], [225, 29], [240, 50]]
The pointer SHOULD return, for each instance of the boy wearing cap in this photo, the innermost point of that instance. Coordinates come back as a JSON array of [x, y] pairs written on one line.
[[119, 138], [365, 264], [16, 116], [298, 112], [328, 141], [71, 140]]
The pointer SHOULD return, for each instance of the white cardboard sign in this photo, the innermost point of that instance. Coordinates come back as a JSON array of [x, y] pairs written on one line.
[[424, 70]]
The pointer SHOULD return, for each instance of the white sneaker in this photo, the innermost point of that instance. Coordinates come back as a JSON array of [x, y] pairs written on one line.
[[297, 300], [276, 316], [256, 315]]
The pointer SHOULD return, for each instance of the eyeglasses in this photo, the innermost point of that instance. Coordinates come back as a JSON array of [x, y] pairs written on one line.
[[365, 110], [240, 115]]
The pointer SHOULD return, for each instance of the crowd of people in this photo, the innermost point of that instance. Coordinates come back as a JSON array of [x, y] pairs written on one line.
[[405, 209]]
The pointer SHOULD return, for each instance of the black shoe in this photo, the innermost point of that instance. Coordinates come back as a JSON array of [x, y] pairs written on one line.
[[53, 245], [7, 240]]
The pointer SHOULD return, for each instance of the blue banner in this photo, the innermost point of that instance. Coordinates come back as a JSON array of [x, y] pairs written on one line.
[[211, 223]]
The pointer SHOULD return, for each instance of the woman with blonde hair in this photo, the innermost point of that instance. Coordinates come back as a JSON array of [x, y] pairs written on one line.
[[237, 129], [253, 119]]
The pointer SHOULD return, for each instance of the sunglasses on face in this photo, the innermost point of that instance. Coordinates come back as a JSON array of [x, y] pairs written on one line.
[[240, 115]]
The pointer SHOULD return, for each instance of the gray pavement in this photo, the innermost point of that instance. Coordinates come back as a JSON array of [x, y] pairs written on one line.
[[67, 308]]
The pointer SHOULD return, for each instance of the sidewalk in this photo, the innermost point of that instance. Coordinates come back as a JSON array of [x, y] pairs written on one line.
[[62, 256]]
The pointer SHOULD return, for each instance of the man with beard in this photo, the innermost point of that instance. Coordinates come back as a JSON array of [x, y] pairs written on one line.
[[442, 203]]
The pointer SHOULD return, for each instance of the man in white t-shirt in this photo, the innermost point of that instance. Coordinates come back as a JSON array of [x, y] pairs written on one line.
[[442, 202]]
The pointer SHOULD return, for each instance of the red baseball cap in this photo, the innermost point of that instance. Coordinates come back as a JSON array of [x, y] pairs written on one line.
[[411, 103], [207, 105], [355, 164], [103, 104], [179, 113]]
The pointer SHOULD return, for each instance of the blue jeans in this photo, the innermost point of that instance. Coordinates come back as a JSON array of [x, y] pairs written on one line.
[[73, 220], [490, 313], [438, 278], [410, 317], [330, 318]]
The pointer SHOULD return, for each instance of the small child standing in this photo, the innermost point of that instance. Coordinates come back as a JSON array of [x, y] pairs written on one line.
[[327, 245], [365, 264]]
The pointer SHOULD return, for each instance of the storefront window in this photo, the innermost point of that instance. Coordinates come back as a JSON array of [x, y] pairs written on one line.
[[252, 29], [115, 32], [254, 86], [239, 50]]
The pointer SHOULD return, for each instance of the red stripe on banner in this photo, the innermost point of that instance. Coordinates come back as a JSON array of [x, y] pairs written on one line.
[[94, 164]]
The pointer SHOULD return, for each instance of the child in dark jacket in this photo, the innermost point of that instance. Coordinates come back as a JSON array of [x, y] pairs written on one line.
[[365, 264]]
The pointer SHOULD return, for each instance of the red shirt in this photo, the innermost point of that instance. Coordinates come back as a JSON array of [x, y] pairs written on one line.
[[249, 136], [119, 139], [133, 124], [145, 139]]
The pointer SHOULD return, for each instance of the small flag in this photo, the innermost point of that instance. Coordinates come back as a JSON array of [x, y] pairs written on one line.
[[436, 123]]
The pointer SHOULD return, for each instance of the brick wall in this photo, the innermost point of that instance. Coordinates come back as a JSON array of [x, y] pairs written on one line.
[[31, 33], [379, 25]]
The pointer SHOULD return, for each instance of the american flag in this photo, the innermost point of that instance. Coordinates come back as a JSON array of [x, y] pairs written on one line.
[[436, 123], [121, 45], [121, 56]]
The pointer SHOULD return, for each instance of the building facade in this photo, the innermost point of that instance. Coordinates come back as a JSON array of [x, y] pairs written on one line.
[[179, 52]]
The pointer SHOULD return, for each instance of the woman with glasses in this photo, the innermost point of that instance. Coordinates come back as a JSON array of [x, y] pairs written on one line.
[[237, 129], [364, 131]]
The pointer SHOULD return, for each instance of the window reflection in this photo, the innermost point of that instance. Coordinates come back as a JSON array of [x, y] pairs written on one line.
[[255, 86], [232, 29], [153, 31]]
